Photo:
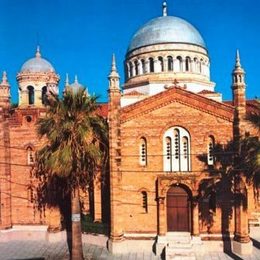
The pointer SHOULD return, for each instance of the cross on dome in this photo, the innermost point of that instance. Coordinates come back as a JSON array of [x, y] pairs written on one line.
[[164, 8], [38, 53]]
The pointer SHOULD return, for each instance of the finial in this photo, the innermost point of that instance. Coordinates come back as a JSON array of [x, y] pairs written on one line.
[[76, 79], [238, 64], [38, 53], [4, 79], [164, 8], [113, 67], [67, 80]]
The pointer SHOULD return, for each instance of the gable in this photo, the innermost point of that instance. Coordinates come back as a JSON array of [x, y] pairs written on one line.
[[176, 94]]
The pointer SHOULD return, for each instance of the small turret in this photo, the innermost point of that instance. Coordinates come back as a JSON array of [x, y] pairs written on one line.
[[238, 88], [4, 91], [113, 76]]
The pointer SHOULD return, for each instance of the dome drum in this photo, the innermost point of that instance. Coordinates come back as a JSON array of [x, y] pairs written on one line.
[[167, 62]]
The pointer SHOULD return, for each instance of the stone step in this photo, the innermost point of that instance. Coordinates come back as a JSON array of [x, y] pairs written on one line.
[[179, 245], [180, 257]]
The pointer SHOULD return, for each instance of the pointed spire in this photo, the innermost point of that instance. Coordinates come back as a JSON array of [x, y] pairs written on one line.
[[238, 64], [76, 79], [113, 72], [67, 82], [114, 76], [113, 67], [164, 8], [4, 79], [38, 53]]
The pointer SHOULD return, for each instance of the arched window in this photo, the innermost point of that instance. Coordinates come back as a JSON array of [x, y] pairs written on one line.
[[212, 202], [143, 66], [160, 59], [30, 195], [131, 69], [30, 95], [44, 95], [195, 65], [176, 150], [144, 201], [136, 68], [168, 166], [187, 64], [170, 63], [200, 65], [211, 145], [143, 152], [179, 63], [151, 65], [30, 156]]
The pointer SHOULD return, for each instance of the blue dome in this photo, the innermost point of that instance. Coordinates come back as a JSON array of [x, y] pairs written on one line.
[[37, 64], [166, 29]]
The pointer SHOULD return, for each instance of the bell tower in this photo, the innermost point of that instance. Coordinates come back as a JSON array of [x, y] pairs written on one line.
[[36, 79]]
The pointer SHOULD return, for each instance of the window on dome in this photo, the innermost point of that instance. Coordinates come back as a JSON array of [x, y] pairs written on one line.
[[151, 65], [44, 95], [179, 63], [30, 95], [160, 59], [136, 67], [176, 150], [143, 151], [195, 65], [143, 66], [187, 64], [170, 63], [131, 69], [200, 65]]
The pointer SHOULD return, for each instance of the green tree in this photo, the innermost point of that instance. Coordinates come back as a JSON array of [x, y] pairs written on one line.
[[75, 139]]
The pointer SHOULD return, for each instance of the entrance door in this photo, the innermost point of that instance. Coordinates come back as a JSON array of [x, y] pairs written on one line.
[[178, 210]]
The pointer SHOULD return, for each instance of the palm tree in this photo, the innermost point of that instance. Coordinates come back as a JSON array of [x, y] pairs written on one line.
[[73, 134]]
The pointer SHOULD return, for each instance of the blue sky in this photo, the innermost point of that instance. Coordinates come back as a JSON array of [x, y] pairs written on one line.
[[79, 36]]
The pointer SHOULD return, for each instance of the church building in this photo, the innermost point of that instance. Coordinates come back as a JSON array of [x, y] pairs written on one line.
[[165, 122], [163, 129]]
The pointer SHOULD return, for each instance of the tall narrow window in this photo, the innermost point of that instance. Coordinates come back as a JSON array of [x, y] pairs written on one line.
[[187, 64], [151, 64], [143, 66], [168, 154], [143, 152], [136, 68], [30, 95], [195, 65], [144, 201], [211, 144], [30, 194], [30, 156], [131, 69], [160, 59], [44, 95], [179, 63], [177, 150], [185, 154], [170, 63]]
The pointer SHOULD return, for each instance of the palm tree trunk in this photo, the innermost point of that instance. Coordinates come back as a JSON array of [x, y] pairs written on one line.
[[77, 251]]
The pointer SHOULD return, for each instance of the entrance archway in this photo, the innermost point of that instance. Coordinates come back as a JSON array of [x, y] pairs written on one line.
[[178, 209]]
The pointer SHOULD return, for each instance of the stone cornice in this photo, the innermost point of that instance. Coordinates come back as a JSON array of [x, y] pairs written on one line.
[[176, 94]]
